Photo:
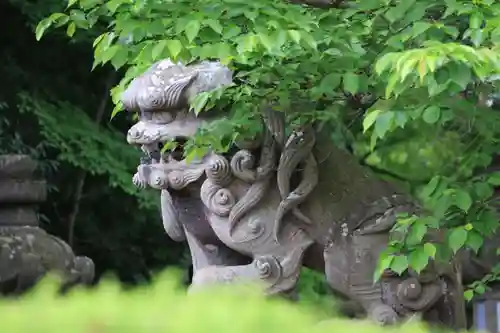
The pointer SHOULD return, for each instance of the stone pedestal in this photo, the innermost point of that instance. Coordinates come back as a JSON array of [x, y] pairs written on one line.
[[27, 252]]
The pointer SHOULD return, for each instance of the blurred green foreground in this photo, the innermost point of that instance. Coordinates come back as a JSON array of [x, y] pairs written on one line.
[[165, 307]]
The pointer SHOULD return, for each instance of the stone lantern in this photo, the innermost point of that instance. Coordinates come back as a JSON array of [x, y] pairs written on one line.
[[27, 252]]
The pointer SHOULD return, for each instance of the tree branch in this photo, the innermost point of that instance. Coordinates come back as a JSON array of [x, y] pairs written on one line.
[[320, 3]]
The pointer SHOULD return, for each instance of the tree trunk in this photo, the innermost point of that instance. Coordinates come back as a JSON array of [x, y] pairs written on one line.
[[82, 174]]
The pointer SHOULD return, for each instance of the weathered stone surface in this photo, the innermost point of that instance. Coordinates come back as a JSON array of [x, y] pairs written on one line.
[[16, 166], [28, 253], [284, 201], [18, 216], [22, 191], [169, 85]]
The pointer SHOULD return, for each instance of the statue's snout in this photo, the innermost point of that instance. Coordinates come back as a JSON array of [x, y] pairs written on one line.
[[134, 134]]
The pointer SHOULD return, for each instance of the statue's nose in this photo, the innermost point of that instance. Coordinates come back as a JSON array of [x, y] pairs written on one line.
[[134, 134]]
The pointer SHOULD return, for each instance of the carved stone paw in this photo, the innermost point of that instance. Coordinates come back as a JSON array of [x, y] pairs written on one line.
[[382, 314], [138, 181], [85, 269]]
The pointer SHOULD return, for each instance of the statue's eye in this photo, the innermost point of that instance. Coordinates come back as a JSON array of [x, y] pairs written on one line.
[[162, 117]]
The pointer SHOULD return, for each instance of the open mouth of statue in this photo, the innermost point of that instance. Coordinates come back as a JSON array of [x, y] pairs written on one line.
[[164, 151]]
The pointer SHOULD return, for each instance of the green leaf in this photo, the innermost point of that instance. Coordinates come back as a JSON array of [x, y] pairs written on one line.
[[399, 264], [70, 31], [294, 35], [430, 249], [174, 47], [441, 206], [71, 3], [468, 295], [429, 189], [351, 83], [494, 178], [457, 238], [330, 82], [109, 53], [476, 19], [370, 119], [246, 44], [418, 259], [41, 27], [417, 232], [419, 28], [192, 29], [309, 40], [384, 262], [462, 200], [199, 102], [56, 16], [483, 190], [215, 25], [385, 62], [384, 123], [120, 58], [334, 52], [158, 49], [194, 153], [461, 75], [431, 114], [266, 41], [480, 289], [474, 240]]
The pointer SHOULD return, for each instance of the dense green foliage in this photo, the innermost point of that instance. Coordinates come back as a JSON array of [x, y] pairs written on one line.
[[406, 85], [163, 307]]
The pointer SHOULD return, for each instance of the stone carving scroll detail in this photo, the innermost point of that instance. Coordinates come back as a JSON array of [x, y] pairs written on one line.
[[216, 197], [261, 180]]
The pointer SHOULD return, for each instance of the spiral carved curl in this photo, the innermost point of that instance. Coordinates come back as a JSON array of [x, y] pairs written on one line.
[[219, 170], [214, 195], [268, 268], [179, 179], [415, 296], [242, 165]]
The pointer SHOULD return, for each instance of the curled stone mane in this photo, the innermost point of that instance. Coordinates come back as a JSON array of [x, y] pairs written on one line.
[[295, 156], [262, 174], [168, 86]]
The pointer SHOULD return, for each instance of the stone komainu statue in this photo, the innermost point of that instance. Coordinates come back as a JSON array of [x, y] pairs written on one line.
[[27, 252], [277, 203]]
